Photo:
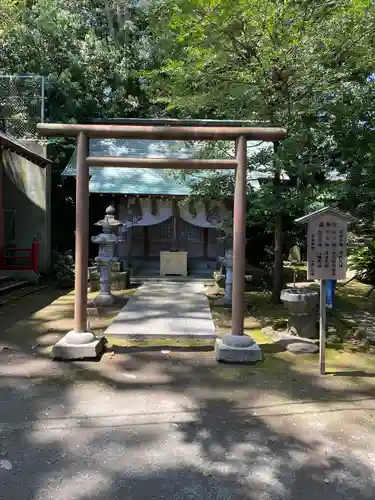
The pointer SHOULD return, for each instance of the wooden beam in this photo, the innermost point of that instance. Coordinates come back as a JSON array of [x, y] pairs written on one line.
[[145, 242], [239, 241], [203, 133], [119, 161], [82, 236]]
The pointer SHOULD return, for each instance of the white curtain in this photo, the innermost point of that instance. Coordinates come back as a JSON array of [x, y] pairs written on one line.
[[200, 218], [164, 212]]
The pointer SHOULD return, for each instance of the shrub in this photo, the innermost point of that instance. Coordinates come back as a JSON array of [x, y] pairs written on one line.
[[63, 268], [362, 261]]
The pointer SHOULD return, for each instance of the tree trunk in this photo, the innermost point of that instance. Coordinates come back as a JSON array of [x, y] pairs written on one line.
[[278, 262], [278, 241]]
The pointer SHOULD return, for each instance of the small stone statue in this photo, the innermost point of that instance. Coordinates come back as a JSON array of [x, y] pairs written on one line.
[[106, 240]]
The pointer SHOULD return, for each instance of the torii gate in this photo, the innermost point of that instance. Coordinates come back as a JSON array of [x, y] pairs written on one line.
[[80, 343]]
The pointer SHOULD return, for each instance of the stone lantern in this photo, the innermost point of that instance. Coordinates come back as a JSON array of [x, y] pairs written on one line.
[[107, 240]]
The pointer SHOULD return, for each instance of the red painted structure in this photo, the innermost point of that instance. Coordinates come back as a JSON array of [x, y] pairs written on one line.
[[17, 259], [29, 257]]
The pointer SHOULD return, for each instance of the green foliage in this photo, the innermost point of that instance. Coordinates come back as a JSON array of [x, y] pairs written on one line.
[[362, 261], [89, 51], [300, 64], [9, 14], [63, 268], [303, 65], [294, 63]]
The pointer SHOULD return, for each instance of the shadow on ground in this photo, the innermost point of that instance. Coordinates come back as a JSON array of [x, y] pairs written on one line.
[[148, 425]]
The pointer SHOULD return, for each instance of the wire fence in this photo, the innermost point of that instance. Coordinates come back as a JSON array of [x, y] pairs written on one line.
[[22, 104]]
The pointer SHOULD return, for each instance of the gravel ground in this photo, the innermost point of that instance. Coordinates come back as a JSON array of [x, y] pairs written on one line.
[[176, 426], [173, 425]]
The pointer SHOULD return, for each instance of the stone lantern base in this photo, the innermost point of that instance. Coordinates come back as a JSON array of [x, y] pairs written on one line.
[[104, 299], [237, 349]]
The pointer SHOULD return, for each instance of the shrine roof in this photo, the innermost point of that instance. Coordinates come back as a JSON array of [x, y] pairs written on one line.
[[143, 181]]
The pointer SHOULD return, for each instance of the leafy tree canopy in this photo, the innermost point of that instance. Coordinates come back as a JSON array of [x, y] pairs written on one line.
[[301, 64], [90, 51]]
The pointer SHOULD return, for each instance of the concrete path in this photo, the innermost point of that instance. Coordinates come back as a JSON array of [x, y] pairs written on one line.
[[165, 309]]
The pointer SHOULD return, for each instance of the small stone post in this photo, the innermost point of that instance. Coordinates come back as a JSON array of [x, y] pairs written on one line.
[[228, 263], [106, 241]]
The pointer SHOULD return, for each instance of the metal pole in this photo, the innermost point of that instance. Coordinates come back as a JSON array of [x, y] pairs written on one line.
[[239, 240], [322, 328], [82, 235], [42, 80], [20, 76]]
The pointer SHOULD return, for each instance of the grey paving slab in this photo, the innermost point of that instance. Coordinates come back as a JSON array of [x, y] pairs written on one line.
[[165, 309]]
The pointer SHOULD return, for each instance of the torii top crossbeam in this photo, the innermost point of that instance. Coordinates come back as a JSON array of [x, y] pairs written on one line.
[[202, 133]]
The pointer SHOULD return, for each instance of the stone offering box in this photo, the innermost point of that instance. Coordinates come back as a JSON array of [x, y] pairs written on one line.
[[173, 263]]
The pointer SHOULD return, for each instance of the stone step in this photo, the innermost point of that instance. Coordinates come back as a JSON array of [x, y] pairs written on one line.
[[8, 285], [18, 292], [5, 279]]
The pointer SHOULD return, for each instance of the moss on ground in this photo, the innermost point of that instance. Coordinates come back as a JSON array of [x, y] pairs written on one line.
[[256, 334], [259, 336], [51, 321], [260, 312], [51, 316], [343, 353], [187, 343]]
